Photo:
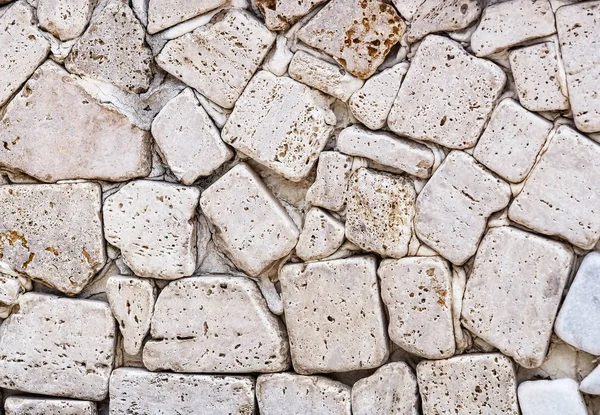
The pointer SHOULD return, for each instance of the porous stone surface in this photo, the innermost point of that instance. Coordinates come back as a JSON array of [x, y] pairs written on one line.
[[65, 19], [321, 235], [163, 14], [551, 397], [447, 16], [329, 188], [280, 14], [21, 405]]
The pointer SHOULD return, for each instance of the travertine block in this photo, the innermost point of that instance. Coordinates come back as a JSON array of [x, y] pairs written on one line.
[[280, 14], [407, 8], [65, 19], [329, 188], [434, 16], [163, 14], [22, 405], [551, 397], [321, 235]]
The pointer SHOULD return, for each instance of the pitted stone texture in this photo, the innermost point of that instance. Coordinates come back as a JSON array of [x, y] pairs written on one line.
[[329, 188], [50, 106], [380, 212], [579, 35], [334, 315], [442, 16], [138, 392], [510, 23], [468, 384], [407, 8], [21, 405], [188, 139], [152, 223], [358, 34], [391, 390], [418, 294], [453, 208], [387, 149], [292, 394], [514, 290], [219, 58], [23, 48], [58, 346], [65, 19], [52, 233], [447, 95], [253, 229], [321, 235], [280, 14], [551, 397], [540, 82], [215, 324], [163, 14], [560, 196], [511, 141]]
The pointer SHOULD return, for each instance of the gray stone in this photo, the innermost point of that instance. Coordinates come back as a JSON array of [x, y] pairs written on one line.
[[280, 14], [442, 16], [321, 235], [329, 188], [551, 397], [65, 19], [21, 405], [163, 14]]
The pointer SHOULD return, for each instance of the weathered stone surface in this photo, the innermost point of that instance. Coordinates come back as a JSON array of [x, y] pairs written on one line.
[[188, 139], [65, 19], [551, 397], [447, 95], [280, 14], [442, 16], [215, 324], [530, 272], [10, 290], [253, 229], [453, 208], [321, 235], [407, 8], [21, 405], [137, 392], [329, 189], [334, 315], [560, 197], [166, 13], [58, 346], [219, 58], [591, 384], [152, 224]]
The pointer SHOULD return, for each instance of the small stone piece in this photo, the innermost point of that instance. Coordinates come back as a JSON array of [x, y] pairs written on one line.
[[510, 23], [591, 384], [215, 324], [329, 188], [321, 235], [280, 14], [358, 34], [188, 139], [561, 197], [468, 384], [347, 332], [530, 272], [10, 290], [152, 224], [447, 95], [163, 14], [219, 58], [58, 346], [65, 19], [442, 16], [391, 390], [511, 141], [21, 405], [453, 208], [551, 397]]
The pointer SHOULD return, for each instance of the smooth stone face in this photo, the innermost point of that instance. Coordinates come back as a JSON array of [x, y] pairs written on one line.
[[442, 16], [391, 390], [591, 384], [136, 391], [329, 188], [73, 347], [453, 208], [215, 324], [65, 19], [417, 292], [20, 405], [347, 330], [433, 104], [188, 139], [321, 235], [531, 272], [219, 58], [280, 14], [511, 141], [10, 290], [166, 13], [468, 384], [52, 233], [52, 105], [292, 394], [561, 197], [152, 224], [253, 229], [551, 397]]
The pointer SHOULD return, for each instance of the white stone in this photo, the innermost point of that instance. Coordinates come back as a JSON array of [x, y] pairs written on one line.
[[280, 14], [453, 208], [58, 346], [152, 224], [321, 235], [21, 405], [10, 290], [447, 95], [434, 16], [591, 383], [65, 19], [551, 397], [215, 324], [514, 290], [329, 188], [163, 14], [407, 8], [279, 57]]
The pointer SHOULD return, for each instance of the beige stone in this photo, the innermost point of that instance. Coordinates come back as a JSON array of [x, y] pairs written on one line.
[[434, 16], [321, 235], [65, 19], [163, 14], [21, 405], [551, 397], [280, 14], [329, 188]]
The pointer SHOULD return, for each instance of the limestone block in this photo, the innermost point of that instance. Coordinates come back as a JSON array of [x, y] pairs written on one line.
[[280, 14], [407, 8], [65, 19], [329, 188], [163, 14], [22, 405], [321, 235], [551, 397], [442, 16]]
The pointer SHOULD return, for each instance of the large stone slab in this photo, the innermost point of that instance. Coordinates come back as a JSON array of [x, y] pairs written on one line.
[[163, 14], [329, 188], [321, 235], [65, 19], [21, 405], [280, 14], [58, 346], [551, 397], [434, 16]]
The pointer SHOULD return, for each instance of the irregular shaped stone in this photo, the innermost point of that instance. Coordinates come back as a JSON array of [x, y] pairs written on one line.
[[510, 23], [334, 316], [188, 139], [468, 384], [21, 405], [591, 383], [136, 391], [417, 292], [58, 346], [215, 324], [511, 141], [51, 105], [528, 270], [219, 58], [453, 208], [364, 33], [442, 16], [329, 188], [280, 123], [391, 390], [152, 223], [253, 229], [407, 8], [10, 290], [280, 14], [65, 19], [387, 149], [560, 196], [551, 397], [163, 14], [321, 235], [447, 95]]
